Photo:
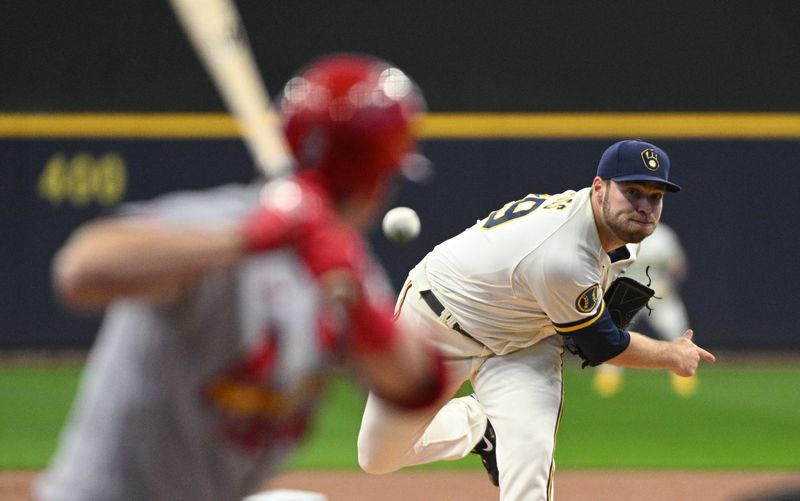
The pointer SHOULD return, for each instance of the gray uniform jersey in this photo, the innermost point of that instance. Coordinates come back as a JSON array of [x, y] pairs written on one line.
[[199, 399]]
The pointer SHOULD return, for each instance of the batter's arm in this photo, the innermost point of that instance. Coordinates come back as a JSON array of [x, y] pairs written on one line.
[[147, 256], [681, 356], [117, 257]]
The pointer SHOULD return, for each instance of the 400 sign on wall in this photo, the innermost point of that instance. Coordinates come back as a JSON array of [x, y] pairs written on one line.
[[83, 178]]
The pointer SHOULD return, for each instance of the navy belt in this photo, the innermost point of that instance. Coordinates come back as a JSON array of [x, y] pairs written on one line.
[[438, 308]]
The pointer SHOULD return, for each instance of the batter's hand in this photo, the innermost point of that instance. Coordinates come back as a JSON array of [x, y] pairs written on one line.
[[288, 211], [689, 355]]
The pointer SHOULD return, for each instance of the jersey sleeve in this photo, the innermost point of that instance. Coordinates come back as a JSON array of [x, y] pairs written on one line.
[[569, 292], [219, 205], [573, 299], [598, 341]]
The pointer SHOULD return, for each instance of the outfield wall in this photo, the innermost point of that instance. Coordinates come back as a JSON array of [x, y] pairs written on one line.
[[565, 75], [735, 215]]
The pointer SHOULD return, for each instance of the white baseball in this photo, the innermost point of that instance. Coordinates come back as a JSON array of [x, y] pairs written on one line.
[[401, 224]]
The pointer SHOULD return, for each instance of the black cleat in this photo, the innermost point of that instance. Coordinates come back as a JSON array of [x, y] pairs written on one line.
[[486, 450]]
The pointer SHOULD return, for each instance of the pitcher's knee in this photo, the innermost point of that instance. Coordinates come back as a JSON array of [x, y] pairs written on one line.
[[371, 461], [375, 465]]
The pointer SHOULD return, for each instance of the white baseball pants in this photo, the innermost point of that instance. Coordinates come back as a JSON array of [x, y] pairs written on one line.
[[520, 392]]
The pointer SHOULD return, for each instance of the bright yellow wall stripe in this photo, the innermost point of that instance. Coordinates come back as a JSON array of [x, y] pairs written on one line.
[[118, 125], [613, 125], [435, 126]]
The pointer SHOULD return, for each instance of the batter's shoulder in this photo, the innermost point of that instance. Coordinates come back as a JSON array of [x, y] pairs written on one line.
[[219, 203]]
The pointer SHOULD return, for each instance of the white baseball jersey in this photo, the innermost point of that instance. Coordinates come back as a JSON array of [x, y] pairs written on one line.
[[528, 270], [202, 398]]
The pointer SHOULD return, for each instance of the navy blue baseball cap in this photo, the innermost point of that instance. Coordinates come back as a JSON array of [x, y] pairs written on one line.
[[636, 160]]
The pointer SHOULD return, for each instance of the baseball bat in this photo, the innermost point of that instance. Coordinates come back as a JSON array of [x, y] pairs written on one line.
[[220, 41]]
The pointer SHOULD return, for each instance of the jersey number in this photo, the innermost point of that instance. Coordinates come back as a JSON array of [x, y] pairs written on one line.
[[513, 210]]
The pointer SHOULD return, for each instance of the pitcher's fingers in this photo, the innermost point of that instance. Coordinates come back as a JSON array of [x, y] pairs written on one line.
[[688, 334]]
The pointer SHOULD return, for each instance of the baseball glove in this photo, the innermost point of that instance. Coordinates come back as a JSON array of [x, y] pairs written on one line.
[[624, 298]]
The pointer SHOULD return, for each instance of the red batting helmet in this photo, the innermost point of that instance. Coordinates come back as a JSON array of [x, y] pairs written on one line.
[[352, 118]]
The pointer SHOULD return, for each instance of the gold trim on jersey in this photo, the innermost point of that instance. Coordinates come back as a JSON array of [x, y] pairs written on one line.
[[551, 477], [585, 323], [401, 299]]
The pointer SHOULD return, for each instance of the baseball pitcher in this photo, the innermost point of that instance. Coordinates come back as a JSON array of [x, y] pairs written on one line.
[[503, 297]]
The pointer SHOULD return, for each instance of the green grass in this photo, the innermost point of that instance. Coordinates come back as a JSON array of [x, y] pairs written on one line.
[[742, 417], [33, 405], [332, 441]]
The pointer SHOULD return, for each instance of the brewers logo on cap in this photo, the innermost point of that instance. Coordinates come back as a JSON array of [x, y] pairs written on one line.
[[650, 159]]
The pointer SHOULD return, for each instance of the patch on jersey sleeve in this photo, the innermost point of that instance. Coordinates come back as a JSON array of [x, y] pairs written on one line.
[[588, 299]]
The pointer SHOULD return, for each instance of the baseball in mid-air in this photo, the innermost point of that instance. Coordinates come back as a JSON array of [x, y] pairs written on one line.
[[401, 224]]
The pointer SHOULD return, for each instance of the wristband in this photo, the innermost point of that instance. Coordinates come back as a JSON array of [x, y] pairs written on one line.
[[372, 329], [265, 230], [429, 392]]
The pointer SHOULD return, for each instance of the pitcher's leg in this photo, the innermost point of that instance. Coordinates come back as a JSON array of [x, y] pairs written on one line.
[[453, 433], [522, 395], [391, 438]]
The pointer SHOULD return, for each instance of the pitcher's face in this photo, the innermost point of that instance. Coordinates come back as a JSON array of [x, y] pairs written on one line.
[[632, 209]]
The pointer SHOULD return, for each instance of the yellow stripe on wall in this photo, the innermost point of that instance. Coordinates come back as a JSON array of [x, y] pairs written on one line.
[[118, 125], [612, 125], [434, 126]]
